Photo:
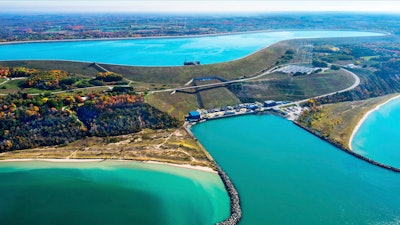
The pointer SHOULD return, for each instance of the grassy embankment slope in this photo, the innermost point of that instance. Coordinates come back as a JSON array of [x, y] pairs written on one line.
[[337, 121], [176, 146], [281, 86], [274, 86], [156, 78]]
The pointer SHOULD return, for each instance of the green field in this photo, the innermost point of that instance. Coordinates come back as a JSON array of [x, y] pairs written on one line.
[[11, 86]]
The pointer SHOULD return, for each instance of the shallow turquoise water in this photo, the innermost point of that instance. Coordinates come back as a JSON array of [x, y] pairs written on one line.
[[285, 175], [109, 193], [162, 51], [378, 136]]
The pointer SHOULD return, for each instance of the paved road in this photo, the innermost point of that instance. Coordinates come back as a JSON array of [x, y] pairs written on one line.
[[213, 84], [355, 84], [4, 82]]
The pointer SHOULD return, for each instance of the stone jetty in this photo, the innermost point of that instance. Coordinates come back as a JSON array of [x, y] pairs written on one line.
[[236, 211]]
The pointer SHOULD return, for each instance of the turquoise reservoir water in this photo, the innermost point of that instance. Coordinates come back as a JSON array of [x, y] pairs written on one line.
[[107, 193], [285, 175], [161, 51], [378, 136]]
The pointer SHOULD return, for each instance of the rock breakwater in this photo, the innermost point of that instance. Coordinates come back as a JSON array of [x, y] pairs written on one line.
[[236, 211]]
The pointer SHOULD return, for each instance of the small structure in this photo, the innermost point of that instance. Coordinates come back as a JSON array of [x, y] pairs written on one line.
[[191, 63], [193, 116], [269, 103], [252, 107]]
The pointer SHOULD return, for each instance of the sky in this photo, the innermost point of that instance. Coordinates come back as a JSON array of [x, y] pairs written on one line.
[[197, 6]]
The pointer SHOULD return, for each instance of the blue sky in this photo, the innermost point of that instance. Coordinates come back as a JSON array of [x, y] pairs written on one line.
[[197, 6]]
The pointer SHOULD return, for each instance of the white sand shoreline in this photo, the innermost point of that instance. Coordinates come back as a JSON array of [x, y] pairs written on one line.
[[365, 117], [186, 166]]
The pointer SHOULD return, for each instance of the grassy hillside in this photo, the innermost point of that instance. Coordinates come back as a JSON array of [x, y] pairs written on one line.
[[176, 105], [230, 70], [170, 75], [45, 65], [218, 97], [277, 86], [281, 86]]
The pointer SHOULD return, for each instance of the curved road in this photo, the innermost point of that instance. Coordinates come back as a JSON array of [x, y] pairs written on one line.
[[215, 84], [355, 84]]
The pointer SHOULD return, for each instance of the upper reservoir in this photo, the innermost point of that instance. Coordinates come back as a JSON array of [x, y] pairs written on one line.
[[161, 51], [285, 175], [378, 136], [105, 193]]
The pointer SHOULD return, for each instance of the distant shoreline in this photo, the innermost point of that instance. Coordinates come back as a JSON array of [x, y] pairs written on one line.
[[172, 36], [357, 127], [137, 38], [187, 166]]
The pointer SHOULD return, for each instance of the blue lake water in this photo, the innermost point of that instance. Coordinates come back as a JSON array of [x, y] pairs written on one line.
[[285, 175], [378, 136], [162, 51], [107, 193]]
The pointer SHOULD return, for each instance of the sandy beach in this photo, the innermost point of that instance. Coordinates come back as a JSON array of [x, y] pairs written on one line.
[[365, 117], [187, 166]]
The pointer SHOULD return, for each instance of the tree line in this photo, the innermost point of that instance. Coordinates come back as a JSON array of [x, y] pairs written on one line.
[[33, 121]]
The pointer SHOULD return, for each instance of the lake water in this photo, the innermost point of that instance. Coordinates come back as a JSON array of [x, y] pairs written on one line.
[[285, 175], [378, 136], [42, 193], [162, 51]]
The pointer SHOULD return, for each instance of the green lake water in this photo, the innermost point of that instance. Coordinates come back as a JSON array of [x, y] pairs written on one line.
[[112, 193], [285, 175], [378, 136]]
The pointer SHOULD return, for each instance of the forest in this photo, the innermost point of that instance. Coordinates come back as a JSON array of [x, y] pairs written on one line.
[[376, 63], [59, 79], [28, 121]]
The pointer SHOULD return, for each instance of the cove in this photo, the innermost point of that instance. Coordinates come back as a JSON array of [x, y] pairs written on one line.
[[378, 136], [161, 51], [104, 193], [285, 175]]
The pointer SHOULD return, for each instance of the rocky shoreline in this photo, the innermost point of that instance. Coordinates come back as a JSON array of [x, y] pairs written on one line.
[[236, 211], [391, 168]]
